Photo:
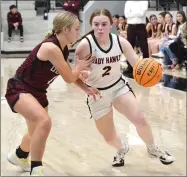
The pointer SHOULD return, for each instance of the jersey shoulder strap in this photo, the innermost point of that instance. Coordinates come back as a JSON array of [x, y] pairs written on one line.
[[91, 43], [115, 39]]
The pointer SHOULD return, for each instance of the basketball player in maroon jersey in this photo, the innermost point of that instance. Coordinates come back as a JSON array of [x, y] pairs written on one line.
[[26, 91]]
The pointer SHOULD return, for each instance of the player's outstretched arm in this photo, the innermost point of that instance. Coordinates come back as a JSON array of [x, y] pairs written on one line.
[[81, 51], [49, 51]]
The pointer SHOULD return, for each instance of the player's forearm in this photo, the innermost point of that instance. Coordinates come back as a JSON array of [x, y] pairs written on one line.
[[133, 61], [75, 74], [132, 57], [81, 84]]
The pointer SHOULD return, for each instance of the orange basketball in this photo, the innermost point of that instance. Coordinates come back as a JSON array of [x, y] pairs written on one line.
[[147, 72]]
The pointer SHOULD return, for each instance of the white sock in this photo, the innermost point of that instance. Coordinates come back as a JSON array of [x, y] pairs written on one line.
[[123, 150]]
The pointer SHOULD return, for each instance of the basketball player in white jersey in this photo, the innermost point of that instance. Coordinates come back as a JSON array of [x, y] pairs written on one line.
[[104, 74]]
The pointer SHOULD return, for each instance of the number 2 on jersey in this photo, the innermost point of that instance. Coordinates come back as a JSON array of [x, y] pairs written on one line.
[[107, 72]]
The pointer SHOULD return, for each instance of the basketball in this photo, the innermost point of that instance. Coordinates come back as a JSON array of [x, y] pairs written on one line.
[[147, 72]]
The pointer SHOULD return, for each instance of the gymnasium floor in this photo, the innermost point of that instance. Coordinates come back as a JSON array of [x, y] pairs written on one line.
[[75, 147]]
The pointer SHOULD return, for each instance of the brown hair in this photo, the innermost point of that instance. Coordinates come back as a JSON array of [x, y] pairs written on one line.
[[124, 24], [62, 20], [168, 13], [151, 16], [98, 12], [162, 14], [184, 18]]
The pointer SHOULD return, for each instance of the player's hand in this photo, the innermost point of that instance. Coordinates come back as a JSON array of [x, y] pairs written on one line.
[[84, 75], [93, 92], [84, 63]]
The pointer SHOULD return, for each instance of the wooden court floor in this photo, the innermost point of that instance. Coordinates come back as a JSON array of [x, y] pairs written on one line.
[[74, 147]]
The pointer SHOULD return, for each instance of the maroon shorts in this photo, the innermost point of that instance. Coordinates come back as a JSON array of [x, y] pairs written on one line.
[[15, 87]]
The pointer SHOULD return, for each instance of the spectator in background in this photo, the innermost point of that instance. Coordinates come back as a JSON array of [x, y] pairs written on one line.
[[159, 35], [122, 27], [152, 27], [184, 34], [179, 47], [115, 19], [170, 32], [174, 54], [135, 12], [14, 20], [73, 6]]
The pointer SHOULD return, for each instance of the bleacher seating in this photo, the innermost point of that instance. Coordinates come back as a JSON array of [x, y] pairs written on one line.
[[35, 27]]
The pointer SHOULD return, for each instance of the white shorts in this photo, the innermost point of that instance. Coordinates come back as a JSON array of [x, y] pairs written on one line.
[[103, 105]]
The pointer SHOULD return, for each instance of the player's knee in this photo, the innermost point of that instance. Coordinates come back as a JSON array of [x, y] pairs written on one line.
[[140, 120], [45, 124]]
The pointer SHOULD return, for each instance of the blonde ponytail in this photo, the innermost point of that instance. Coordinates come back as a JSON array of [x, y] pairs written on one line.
[[49, 34], [62, 20]]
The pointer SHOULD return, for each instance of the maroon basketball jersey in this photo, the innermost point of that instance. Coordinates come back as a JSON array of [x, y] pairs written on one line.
[[36, 73]]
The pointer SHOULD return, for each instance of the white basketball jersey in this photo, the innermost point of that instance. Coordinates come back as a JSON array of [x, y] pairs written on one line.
[[105, 70]]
